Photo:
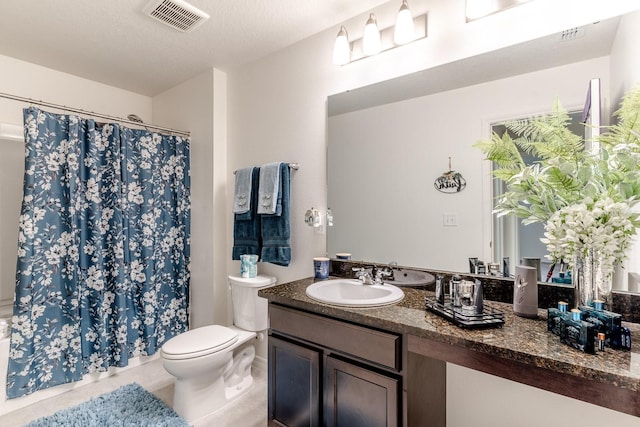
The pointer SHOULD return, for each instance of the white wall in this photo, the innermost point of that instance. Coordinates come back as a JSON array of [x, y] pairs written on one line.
[[199, 105], [33, 81], [482, 400], [372, 151], [625, 61], [277, 105]]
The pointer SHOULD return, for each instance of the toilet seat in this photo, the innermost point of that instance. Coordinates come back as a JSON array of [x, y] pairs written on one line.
[[199, 342]]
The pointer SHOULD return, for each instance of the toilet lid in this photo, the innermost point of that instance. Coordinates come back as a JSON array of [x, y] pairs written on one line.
[[199, 342], [253, 282]]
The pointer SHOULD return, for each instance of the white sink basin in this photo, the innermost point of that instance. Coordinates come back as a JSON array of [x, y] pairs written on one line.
[[352, 293]]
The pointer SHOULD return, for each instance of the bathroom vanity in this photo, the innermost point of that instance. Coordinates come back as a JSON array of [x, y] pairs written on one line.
[[386, 366]]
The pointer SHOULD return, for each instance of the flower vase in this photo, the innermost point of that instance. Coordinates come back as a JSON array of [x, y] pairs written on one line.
[[582, 278], [591, 279]]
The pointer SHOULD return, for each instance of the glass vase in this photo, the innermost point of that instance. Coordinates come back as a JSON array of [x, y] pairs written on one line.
[[602, 282], [582, 278], [591, 279]]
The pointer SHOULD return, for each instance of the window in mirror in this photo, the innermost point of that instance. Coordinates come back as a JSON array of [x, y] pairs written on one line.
[[511, 237]]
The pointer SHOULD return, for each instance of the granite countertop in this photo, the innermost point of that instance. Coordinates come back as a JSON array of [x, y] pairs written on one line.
[[520, 339]]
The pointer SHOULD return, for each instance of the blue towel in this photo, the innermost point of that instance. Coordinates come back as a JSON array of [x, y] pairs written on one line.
[[246, 226], [269, 188], [242, 191], [276, 229]]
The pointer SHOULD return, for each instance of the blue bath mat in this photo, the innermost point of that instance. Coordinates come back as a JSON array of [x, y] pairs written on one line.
[[130, 405]]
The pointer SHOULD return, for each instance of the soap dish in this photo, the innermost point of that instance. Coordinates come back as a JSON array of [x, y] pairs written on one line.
[[489, 318]]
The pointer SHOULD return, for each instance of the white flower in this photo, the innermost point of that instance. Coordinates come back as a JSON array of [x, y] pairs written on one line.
[[94, 278], [602, 226]]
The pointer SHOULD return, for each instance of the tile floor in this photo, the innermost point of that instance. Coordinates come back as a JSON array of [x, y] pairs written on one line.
[[250, 410]]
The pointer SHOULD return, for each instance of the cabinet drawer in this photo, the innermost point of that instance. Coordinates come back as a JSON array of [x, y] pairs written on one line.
[[379, 347]]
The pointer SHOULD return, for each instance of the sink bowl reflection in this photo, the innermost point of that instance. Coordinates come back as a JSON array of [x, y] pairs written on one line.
[[352, 293], [402, 277]]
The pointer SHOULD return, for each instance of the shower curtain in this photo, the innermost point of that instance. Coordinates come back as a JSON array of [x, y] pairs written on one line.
[[103, 249]]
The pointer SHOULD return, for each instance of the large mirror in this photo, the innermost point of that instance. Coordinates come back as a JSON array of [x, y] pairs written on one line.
[[389, 142]]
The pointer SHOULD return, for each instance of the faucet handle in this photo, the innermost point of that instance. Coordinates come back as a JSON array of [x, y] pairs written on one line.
[[359, 271], [381, 272]]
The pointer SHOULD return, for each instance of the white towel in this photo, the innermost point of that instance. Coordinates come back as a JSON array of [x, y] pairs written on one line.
[[268, 188], [242, 191]]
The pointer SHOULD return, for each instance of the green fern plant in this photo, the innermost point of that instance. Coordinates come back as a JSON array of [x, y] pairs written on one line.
[[566, 173]]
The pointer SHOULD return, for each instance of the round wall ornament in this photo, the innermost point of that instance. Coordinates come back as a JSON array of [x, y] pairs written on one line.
[[450, 181]]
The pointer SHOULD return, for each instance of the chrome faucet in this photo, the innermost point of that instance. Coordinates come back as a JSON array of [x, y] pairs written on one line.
[[375, 277], [363, 275]]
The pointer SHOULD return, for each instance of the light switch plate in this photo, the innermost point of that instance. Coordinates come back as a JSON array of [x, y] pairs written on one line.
[[450, 219]]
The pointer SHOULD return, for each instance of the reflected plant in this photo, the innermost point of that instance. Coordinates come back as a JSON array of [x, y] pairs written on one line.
[[567, 175]]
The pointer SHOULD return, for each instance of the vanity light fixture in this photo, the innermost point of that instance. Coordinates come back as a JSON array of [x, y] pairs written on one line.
[[371, 41], [406, 30], [342, 48]]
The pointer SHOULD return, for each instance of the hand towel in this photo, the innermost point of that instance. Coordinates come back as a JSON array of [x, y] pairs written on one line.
[[268, 188], [276, 229], [242, 191], [247, 238]]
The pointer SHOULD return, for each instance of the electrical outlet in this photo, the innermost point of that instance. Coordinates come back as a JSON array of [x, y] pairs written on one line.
[[450, 219]]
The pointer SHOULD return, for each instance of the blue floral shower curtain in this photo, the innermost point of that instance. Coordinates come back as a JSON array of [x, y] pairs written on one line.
[[103, 251]]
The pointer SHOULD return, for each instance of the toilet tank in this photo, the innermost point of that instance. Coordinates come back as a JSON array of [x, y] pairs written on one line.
[[250, 312]]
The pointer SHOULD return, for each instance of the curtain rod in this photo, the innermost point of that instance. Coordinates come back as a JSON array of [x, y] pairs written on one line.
[[292, 166], [90, 113]]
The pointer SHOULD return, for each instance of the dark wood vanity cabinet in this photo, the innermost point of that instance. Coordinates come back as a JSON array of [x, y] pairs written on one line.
[[357, 396], [325, 372], [294, 384]]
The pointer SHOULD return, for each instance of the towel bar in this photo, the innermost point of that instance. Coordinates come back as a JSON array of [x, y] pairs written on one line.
[[293, 166]]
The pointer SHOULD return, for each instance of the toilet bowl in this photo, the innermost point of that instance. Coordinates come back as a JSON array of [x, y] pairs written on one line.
[[212, 364]]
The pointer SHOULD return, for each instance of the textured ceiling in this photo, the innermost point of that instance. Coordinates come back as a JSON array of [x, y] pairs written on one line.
[[113, 42]]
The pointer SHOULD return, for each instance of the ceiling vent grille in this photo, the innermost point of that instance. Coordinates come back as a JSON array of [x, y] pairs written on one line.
[[572, 33], [177, 14]]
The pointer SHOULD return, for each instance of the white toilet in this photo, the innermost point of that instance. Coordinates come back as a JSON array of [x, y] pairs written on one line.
[[212, 364]]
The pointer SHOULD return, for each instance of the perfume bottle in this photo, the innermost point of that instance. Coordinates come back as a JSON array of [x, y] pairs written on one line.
[[555, 316], [577, 333]]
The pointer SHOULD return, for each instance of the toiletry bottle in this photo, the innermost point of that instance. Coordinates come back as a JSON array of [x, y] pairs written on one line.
[[625, 338], [577, 333], [481, 268], [455, 294], [473, 265], [505, 266], [439, 290], [555, 316], [601, 339], [478, 298], [606, 322]]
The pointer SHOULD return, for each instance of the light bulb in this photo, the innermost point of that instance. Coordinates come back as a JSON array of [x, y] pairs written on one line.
[[404, 29], [342, 48], [371, 43]]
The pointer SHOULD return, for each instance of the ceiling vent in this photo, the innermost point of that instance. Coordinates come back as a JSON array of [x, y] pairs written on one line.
[[572, 33], [177, 14]]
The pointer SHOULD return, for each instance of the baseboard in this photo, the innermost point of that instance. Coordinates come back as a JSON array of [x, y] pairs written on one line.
[[259, 363]]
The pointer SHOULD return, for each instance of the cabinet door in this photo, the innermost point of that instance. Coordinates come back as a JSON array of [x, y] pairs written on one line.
[[357, 397], [294, 384]]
